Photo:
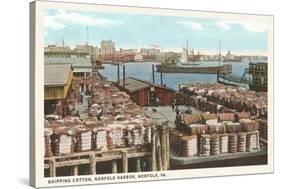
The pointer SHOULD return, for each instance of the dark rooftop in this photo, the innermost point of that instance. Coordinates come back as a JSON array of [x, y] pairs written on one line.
[[133, 84]]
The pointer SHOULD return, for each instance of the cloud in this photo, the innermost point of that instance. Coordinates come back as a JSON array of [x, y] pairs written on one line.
[[192, 25], [255, 26], [224, 25], [59, 20], [50, 22], [252, 26]]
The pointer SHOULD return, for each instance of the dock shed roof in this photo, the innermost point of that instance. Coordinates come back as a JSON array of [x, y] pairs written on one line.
[[56, 75], [133, 84], [80, 62]]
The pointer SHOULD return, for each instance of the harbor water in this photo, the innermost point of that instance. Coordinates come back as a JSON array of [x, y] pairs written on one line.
[[144, 71]]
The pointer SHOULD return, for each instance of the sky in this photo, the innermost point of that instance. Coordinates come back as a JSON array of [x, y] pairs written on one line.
[[169, 32]]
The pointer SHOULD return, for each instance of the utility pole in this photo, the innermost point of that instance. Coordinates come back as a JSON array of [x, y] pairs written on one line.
[[87, 42], [219, 53], [105, 54], [161, 78], [62, 41], [124, 74], [218, 72], [153, 77], [118, 73], [187, 51]]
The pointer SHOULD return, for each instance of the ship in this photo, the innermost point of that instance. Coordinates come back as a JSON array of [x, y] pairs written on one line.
[[172, 65]]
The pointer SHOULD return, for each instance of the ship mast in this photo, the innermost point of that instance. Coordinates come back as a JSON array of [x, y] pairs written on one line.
[[187, 51], [219, 53], [87, 41], [62, 41]]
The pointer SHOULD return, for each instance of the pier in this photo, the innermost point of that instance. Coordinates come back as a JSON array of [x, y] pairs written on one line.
[[154, 155], [91, 159], [234, 79]]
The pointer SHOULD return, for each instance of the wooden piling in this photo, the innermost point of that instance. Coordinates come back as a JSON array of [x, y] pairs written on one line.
[[163, 138], [114, 166], [168, 146], [149, 163], [158, 152], [75, 170], [124, 161], [93, 163], [258, 140], [52, 164], [138, 165], [153, 150]]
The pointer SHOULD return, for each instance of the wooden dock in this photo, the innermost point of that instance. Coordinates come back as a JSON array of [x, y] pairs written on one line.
[[235, 79], [93, 157], [156, 156]]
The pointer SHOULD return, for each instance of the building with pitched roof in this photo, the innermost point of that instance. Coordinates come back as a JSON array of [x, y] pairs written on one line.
[[80, 62], [57, 85], [144, 92]]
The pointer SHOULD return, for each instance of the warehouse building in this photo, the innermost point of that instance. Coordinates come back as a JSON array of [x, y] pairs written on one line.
[[80, 62], [57, 85], [259, 76], [144, 93]]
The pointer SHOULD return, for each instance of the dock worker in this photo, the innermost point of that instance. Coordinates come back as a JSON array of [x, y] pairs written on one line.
[[77, 114], [67, 109], [173, 104], [100, 114], [157, 101], [81, 97], [219, 108], [189, 110], [89, 103], [177, 110]]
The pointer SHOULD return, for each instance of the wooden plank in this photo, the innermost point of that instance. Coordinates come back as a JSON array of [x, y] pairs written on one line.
[[140, 154], [258, 140], [93, 163], [52, 165], [148, 163], [108, 158], [75, 170], [70, 163], [163, 146], [124, 161], [158, 153], [138, 165], [98, 159], [153, 150], [168, 147], [114, 166], [100, 153]]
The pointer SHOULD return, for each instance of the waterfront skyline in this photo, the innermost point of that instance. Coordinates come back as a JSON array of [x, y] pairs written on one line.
[[168, 32]]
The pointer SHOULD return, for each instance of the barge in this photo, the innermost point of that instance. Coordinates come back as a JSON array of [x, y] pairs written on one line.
[[224, 69]]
